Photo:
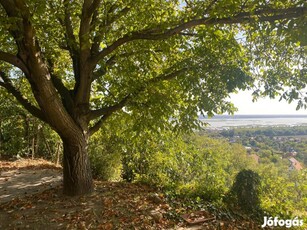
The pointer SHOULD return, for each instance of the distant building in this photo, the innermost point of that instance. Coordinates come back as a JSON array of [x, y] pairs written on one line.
[[294, 164], [248, 149], [290, 154], [232, 141]]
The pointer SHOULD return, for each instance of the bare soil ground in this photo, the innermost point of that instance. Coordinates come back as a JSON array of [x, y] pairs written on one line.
[[20, 182], [31, 198]]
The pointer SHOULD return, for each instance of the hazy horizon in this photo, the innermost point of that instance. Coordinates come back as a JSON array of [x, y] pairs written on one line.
[[255, 120]]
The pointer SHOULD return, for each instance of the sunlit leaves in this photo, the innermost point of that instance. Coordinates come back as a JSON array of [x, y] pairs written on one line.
[[194, 165], [277, 56], [212, 59]]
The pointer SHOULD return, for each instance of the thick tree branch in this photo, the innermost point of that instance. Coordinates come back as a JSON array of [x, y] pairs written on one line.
[[99, 73], [64, 92], [6, 83], [88, 20], [85, 26], [240, 18], [70, 37], [23, 31], [86, 67], [93, 8], [13, 60], [71, 41], [99, 124], [12, 12], [58, 84], [106, 111], [46, 95]]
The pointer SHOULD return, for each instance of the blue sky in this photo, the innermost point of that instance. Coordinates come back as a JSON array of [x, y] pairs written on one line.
[[243, 101]]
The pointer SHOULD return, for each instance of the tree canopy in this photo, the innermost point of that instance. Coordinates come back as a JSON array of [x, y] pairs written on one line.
[[160, 62]]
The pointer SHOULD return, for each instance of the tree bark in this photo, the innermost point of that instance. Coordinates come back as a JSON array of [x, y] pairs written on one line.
[[57, 153], [77, 175]]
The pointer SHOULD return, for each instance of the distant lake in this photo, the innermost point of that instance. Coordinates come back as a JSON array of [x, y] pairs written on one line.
[[227, 121]]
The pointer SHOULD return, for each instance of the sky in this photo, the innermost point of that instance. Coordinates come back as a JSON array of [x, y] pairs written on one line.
[[243, 101]]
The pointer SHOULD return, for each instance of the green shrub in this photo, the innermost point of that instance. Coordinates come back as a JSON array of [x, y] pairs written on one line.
[[105, 156], [193, 166], [105, 166], [246, 190]]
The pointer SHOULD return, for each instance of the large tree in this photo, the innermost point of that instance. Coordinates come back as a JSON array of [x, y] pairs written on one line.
[[87, 61]]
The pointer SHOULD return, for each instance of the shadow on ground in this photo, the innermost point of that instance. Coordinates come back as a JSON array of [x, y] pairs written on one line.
[[18, 183]]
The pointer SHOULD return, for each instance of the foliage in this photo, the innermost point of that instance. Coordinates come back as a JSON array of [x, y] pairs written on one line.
[[23, 135], [266, 131], [148, 57], [198, 168], [193, 165], [284, 192], [105, 156], [82, 63], [104, 165], [272, 143], [247, 190]]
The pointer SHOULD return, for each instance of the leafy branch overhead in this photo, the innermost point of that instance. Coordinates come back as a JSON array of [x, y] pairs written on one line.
[[95, 32]]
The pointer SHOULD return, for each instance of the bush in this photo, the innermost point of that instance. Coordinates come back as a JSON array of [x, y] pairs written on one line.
[[192, 166], [105, 157], [246, 191], [105, 166]]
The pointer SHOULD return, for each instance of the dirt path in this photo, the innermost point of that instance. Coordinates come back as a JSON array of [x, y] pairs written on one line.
[[18, 183], [31, 198]]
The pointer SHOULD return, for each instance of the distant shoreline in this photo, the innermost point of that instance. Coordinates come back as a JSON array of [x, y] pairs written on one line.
[[254, 120], [246, 116]]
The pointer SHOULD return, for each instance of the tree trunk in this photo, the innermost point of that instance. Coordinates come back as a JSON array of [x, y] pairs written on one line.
[[77, 175], [57, 153], [33, 148], [38, 138]]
